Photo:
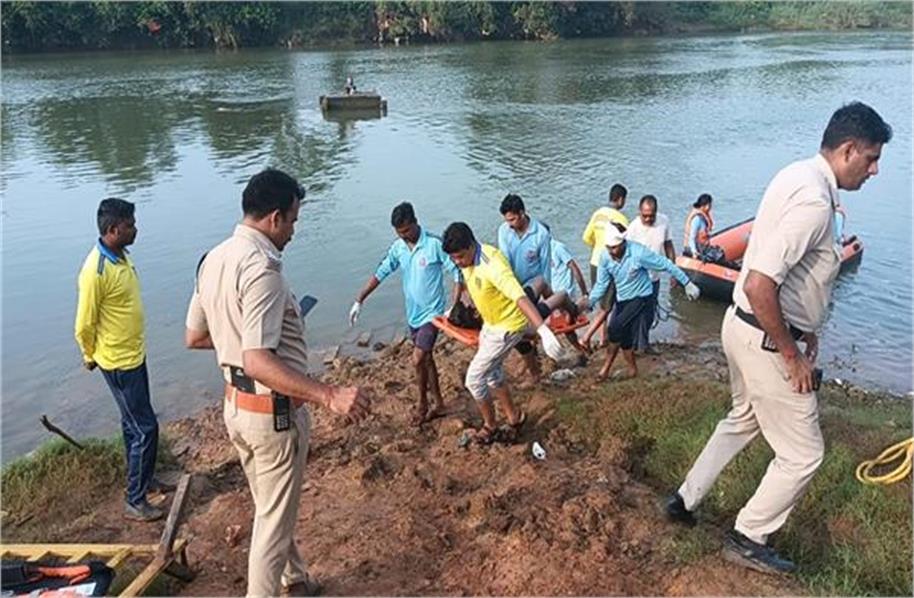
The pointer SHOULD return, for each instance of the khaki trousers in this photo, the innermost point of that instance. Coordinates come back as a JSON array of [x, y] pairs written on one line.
[[274, 464], [763, 401]]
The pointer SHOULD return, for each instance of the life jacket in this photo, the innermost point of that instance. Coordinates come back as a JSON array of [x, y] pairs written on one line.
[[704, 236]]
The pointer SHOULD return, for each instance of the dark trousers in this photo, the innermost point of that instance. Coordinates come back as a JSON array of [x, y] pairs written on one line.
[[643, 341], [141, 430], [625, 320]]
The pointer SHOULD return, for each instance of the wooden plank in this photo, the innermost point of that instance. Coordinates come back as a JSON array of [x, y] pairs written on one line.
[[142, 581], [71, 549], [119, 557], [37, 556], [174, 519], [79, 556]]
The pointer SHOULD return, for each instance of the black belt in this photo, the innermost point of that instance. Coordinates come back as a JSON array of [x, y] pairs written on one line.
[[750, 319]]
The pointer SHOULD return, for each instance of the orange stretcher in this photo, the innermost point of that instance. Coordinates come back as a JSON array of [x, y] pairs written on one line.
[[557, 322]]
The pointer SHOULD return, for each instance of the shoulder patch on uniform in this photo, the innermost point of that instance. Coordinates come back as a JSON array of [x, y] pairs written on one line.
[[483, 257], [101, 263]]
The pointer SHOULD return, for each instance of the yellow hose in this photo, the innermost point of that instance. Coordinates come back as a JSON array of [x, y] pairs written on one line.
[[904, 450]]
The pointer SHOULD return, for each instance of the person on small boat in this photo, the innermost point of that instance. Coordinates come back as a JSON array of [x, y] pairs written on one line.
[[507, 315], [418, 255], [698, 227], [350, 86], [627, 264]]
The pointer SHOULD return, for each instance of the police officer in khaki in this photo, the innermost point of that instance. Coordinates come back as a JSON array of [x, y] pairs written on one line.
[[781, 298], [243, 308]]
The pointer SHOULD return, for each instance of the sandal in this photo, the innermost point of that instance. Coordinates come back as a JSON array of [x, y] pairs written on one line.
[[508, 432], [485, 435]]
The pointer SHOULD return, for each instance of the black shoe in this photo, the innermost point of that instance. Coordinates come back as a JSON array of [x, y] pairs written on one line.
[[741, 550], [675, 510]]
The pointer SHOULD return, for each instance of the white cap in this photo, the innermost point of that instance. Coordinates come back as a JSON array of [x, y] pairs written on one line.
[[612, 237]]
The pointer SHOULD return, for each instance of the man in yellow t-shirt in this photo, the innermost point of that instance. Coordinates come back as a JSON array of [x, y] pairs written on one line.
[[110, 333], [507, 314], [596, 226], [594, 236]]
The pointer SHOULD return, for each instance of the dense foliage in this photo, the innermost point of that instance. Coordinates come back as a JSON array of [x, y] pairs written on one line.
[[35, 26]]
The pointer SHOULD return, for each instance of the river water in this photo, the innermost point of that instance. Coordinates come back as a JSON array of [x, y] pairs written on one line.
[[179, 133]]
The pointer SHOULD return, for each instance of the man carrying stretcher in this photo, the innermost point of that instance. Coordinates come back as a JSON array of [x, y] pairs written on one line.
[[507, 314]]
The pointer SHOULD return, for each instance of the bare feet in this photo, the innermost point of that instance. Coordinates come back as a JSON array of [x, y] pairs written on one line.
[[423, 414]]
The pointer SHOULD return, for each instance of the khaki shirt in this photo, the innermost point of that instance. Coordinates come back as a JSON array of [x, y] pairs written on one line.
[[242, 299], [793, 242]]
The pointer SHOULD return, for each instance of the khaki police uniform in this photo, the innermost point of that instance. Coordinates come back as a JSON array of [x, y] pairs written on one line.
[[244, 302], [792, 242]]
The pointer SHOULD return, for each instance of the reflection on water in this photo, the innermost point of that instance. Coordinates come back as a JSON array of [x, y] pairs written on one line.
[[180, 132]]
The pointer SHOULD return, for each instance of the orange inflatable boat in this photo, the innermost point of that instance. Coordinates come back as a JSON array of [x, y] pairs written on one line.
[[716, 280], [470, 337]]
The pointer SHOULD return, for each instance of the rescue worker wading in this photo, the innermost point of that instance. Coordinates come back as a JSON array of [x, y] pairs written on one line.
[[243, 308]]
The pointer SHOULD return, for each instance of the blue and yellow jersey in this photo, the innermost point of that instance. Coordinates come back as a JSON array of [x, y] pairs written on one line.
[[110, 323]]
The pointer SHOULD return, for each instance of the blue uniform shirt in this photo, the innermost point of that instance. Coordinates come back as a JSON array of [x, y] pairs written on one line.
[[631, 273], [528, 254], [423, 279], [562, 280]]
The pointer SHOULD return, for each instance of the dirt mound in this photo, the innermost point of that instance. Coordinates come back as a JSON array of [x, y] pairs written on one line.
[[390, 509]]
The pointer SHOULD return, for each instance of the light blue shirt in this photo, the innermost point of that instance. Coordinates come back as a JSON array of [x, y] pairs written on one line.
[[631, 273], [529, 254], [423, 278], [698, 224], [562, 280]]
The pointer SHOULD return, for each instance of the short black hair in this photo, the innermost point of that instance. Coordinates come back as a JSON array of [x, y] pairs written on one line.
[[457, 237], [617, 192], [648, 199], [111, 212], [270, 190], [402, 214], [512, 203], [703, 200], [855, 121]]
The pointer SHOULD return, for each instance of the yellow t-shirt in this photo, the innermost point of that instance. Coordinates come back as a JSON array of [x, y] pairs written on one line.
[[593, 234], [495, 290], [109, 316]]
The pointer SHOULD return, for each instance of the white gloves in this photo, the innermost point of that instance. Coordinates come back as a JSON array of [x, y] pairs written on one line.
[[551, 344], [354, 313], [691, 291]]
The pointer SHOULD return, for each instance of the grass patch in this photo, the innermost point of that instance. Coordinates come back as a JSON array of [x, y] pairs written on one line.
[[59, 482], [849, 539]]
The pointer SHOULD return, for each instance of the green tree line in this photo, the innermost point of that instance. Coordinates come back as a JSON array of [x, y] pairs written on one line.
[[41, 26]]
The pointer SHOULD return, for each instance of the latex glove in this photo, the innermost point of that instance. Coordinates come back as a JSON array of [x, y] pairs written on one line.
[[354, 313], [551, 344], [691, 291]]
